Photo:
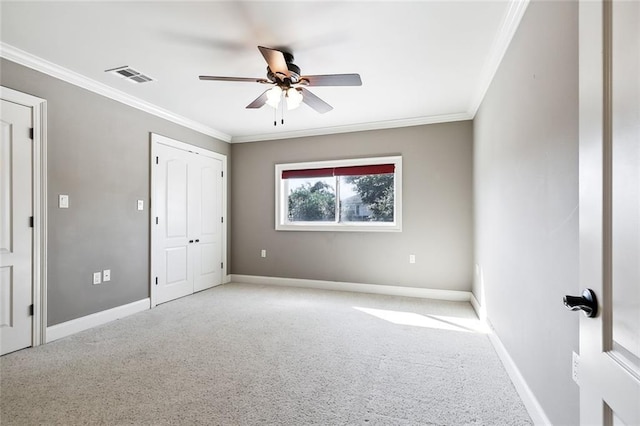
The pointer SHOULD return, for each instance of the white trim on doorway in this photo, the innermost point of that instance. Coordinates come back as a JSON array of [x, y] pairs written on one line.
[[39, 114]]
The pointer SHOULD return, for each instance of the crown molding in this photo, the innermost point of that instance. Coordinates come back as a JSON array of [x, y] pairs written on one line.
[[362, 127], [510, 23], [26, 59], [508, 27]]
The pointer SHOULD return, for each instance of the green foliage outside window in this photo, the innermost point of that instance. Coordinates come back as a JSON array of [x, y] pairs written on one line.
[[376, 193], [312, 203], [316, 202]]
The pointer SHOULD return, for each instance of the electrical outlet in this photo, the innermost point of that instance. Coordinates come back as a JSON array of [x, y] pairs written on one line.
[[412, 258], [263, 253], [97, 277], [575, 364], [106, 275]]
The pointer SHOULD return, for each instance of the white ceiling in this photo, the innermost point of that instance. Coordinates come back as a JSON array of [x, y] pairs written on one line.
[[420, 61]]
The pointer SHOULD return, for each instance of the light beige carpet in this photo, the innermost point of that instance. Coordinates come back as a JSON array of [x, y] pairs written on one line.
[[262, 355]]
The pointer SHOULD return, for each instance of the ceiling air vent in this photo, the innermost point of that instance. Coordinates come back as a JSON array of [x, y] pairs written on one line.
[[130, 74]]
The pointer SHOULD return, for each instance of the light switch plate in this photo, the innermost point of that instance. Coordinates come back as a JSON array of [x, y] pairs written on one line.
[[412, 258], [106, 275], [140, 204], [97, 277], [63, 201]]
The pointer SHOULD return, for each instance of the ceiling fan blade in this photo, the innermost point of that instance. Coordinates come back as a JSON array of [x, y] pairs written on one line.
[[331, 80], [275, 60], [247, 79], [260, 101], [315, 102]]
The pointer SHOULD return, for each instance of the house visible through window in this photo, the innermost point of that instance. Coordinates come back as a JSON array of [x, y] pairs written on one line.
[[344, 195]]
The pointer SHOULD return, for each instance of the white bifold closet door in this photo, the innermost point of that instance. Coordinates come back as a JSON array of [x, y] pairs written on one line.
[[187, 243]]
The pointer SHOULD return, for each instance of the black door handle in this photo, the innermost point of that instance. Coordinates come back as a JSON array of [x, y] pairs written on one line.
[[587, 303], [190, 241], [197, 241]]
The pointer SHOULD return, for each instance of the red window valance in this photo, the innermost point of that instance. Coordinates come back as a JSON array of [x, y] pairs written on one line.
[[373, 169]]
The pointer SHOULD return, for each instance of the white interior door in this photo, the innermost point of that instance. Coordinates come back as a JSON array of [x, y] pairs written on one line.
[[16, 234], [208, 225], [172, 262], [187, 228], [609, 373]]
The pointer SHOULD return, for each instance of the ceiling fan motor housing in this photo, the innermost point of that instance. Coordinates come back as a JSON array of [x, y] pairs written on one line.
[[289, 78], [294, 74]]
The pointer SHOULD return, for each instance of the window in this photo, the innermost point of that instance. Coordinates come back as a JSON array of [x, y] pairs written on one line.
[[344, 195]]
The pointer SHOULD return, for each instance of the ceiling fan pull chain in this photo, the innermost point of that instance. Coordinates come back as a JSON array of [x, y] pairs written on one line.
[[282, 116], [275, 117]]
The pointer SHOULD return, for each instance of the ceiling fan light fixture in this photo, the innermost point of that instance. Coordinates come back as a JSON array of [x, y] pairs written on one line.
[[273, 97], [294, 98], [283, 75]]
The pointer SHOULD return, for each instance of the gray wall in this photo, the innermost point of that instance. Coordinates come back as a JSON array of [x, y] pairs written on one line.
[[98, 154], [437, 211], [526, 203]]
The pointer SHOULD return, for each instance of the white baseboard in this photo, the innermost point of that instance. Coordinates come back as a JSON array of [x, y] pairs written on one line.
[[480, 311], [77, 325], [529, 400], [226, 279], [389, 290]]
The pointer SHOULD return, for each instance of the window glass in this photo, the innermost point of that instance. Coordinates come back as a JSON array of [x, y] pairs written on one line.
[[367, 198], [311, 199], [340, 195]]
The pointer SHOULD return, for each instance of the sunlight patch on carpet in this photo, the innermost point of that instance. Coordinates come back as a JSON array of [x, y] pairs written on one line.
[[441, 322]]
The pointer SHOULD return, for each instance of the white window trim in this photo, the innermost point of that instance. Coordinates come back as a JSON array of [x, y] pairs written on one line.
[[282, 224]]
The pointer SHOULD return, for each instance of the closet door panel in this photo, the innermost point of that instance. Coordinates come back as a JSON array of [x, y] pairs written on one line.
[[172, 257], [208, 271]]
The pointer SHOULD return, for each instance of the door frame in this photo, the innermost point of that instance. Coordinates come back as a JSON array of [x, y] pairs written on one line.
[[157, 139], [38, 108]]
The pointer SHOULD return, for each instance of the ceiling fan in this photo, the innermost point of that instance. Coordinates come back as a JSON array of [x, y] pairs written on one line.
[[287, 82]]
